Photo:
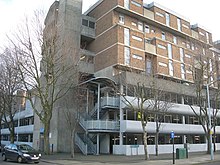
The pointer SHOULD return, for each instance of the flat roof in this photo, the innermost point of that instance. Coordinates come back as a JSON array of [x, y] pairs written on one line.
[[199, 26], [154, 4]]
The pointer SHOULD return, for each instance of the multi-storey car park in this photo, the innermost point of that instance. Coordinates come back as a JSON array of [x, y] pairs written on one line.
[[129, 40]]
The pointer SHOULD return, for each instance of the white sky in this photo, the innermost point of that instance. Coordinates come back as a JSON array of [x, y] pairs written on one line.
[[203, 12]]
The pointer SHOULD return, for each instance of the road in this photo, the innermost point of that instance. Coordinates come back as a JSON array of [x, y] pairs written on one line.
[[15, 163]]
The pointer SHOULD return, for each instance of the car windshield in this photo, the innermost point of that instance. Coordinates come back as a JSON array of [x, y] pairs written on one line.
[[25, 147]]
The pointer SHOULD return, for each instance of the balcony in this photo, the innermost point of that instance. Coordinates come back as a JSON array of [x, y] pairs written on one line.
[[86, 63], [88, 28], [195, 34], [149, 48], [112, 102], [99, 125], [148, 14]]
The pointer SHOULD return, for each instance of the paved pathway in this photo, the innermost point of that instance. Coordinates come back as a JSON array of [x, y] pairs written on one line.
[[164, 159]]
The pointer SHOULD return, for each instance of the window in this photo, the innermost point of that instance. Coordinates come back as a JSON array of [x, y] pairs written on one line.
[[137, 38], [183, 74], [181, 55], [92, 25], [127, 4], [148, 66], [211, 71], [85, 22], [126, 37], [137, 57], [153, 31], [140, 26], [133, 24], [159, 14], [201, 33], [136, 4], [121, 19], [171, 67], [187, 55], [187, 45], [161, 46], [162, 64], [207, 37], [185, 26], [174, 40], [147, 29], [170, 55], [179, 24], [192, 46], [163, 36], [203, 51], [127, 55], [167, 19]]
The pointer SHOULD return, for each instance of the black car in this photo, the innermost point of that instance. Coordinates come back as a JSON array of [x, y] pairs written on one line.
[[20, 153]]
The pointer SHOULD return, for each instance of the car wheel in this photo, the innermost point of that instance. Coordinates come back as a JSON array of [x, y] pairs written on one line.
[[4, 157], [36, 162], [19, 159]]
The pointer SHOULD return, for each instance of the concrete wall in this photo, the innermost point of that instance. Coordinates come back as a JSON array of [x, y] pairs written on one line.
[[163, 149], [104, 144]]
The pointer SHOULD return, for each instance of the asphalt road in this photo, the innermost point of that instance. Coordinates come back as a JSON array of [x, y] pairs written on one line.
[[15, 163]]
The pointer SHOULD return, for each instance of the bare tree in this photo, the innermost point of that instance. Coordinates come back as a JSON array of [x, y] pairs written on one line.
[[214, 115], [138, 105], [202, 74], [46, 75], [159, 106], [10, 83]]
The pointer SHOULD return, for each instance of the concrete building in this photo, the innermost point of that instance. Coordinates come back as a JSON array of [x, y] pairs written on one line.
[[121, 43]]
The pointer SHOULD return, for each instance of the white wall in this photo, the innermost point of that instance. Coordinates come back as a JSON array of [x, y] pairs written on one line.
[[104, 144], [163, 149], [136, 127]]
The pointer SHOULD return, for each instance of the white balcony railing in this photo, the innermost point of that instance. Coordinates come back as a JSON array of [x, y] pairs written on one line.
[[102, 125], [99, 124], [110, 101]]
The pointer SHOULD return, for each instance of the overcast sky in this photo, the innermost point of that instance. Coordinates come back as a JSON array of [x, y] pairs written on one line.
[[203, 12]]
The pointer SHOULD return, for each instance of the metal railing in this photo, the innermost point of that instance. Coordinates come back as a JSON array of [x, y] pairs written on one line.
[[98, 124], [103, 125], [110, 101]]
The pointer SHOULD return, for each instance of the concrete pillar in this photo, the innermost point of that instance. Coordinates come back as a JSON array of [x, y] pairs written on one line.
[[98, 103], [97, 145], [183, 120], [121, 117]]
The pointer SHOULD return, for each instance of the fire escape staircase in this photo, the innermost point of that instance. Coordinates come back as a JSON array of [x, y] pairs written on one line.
[[91, 124]]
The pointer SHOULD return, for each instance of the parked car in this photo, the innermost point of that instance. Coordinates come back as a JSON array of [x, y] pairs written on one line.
[[20, 153]]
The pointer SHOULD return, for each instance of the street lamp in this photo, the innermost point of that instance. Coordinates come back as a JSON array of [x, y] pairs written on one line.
[[209, 113]]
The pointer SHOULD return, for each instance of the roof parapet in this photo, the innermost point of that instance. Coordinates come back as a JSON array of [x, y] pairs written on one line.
[[199, 26], [154, 4]]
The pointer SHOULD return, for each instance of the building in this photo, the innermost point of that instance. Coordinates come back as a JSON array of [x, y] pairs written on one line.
[[121, 43], [23, 120]]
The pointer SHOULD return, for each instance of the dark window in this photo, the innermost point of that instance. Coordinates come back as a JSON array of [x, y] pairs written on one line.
[[85, 22], [92, 24]]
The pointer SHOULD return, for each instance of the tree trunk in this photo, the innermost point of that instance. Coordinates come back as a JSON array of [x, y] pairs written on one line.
[[214, 140], [46, 138], [12, 134], [145, 140], [72, 143], [156, 142], [208, 145]]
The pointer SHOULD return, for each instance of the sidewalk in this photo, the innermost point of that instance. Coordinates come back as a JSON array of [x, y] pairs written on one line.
[[163, 159]]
